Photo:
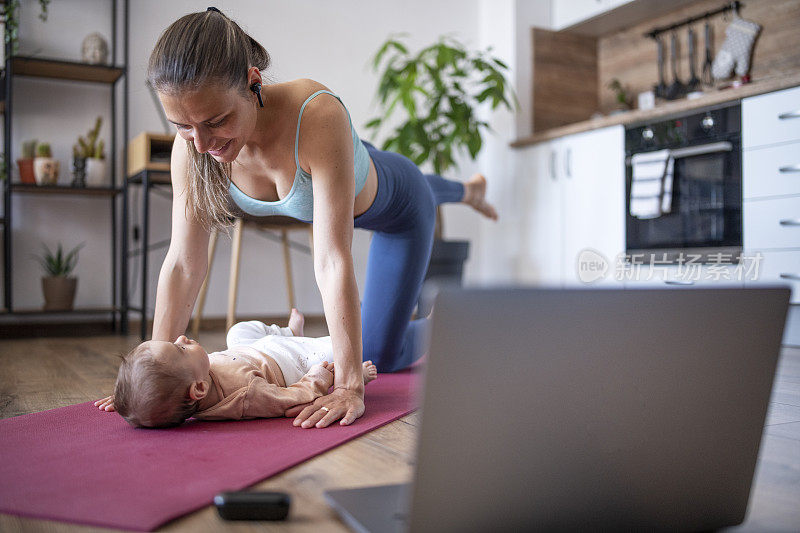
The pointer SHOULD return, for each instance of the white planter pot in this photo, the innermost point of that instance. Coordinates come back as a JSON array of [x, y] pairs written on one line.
[[45, 170], [96, 172]]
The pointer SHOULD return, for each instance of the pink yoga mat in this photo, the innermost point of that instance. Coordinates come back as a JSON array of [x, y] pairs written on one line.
[[78, 464]]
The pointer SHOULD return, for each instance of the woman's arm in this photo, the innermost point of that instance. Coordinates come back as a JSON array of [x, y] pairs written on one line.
[[186, 263], [328, 145], [184, 267]]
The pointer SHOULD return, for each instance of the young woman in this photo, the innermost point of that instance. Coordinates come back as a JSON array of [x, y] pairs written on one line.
[[241, 150]]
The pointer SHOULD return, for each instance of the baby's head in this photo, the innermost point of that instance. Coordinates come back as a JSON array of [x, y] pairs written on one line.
[[160, 384]]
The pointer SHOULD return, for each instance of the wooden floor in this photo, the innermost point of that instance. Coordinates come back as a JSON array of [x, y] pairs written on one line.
[[39, 374]]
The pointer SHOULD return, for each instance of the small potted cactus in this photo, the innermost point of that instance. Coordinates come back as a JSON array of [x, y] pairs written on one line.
[[57, 284], [91, 151], [45, 167], [25, 163]]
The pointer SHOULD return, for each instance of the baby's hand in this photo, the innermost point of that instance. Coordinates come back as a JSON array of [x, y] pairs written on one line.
[[106, 404], [322, 373]]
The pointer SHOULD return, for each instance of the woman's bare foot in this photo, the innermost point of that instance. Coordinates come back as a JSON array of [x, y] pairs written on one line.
[[296, 322], [475, 196], [368, 370]]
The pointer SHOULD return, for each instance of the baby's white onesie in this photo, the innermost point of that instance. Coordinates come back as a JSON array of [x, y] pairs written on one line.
[[294, 355]]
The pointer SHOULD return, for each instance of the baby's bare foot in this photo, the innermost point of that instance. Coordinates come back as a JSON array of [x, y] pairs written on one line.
[[475, 196], [370, 371], [296, 322]]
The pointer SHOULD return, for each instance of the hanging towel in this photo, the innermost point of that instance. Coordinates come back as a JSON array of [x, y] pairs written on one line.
[[666, 186], [651, 184]]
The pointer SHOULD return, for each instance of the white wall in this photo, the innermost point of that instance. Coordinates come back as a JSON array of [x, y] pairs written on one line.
[[505, 25], [331, 42]]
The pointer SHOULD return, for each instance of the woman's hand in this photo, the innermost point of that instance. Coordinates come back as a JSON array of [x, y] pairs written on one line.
[[106, 404], [341, 403]]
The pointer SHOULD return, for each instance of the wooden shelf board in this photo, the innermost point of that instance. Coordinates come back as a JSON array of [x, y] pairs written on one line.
[[157, 177], [64, 70], [64, 189]]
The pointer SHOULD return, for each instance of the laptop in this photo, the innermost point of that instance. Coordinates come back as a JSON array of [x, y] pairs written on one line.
[[578, 409]]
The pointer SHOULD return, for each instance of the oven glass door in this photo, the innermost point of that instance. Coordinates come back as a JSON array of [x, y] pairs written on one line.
[[706, 202]]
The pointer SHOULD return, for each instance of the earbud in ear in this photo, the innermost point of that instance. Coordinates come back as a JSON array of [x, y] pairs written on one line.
[[256, 88]]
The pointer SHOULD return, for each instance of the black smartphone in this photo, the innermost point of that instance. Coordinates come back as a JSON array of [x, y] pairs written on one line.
[[243, 505]]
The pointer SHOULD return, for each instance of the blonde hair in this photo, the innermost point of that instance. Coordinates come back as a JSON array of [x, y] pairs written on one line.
[[152, 393], [198, 50]]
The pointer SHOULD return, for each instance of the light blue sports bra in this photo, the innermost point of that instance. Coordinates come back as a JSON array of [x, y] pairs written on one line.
[[299, 203]]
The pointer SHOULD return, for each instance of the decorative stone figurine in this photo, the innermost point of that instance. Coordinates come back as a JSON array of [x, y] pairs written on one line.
[[94, 49]]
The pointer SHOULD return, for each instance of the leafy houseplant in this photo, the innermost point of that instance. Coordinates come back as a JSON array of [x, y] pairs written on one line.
[[624, 100], [10, 12], [25, 163], [438, 90], [57, 285], [89, 154], [45, 167]]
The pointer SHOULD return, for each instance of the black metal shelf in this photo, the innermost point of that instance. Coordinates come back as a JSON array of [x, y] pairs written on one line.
[[64, 189], [72, 71]]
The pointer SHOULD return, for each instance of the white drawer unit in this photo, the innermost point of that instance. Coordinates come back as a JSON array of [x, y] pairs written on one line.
[[772, 223], [771, 118], [778, 267], [771, 171]]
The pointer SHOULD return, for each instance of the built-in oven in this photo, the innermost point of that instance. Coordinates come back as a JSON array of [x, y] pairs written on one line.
[[684, 186]]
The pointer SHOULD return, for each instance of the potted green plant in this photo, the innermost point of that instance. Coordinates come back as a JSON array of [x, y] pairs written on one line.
[[90, 152], [45, 166], [10, 11], [624, 100], [438, 91], [25, 163], [58, 286]]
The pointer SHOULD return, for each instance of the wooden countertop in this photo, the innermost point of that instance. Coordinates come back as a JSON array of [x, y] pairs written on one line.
[[665, 109]]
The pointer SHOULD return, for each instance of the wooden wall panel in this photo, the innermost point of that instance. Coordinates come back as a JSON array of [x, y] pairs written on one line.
[[564, 78], [631, 57]]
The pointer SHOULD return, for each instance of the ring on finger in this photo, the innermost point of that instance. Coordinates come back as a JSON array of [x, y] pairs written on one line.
[[323, 408]]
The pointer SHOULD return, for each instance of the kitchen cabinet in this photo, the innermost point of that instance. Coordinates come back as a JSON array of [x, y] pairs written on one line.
[[771, 118], [771, 190], [575, 196], [771, 186], [569, 12], [543, 228]]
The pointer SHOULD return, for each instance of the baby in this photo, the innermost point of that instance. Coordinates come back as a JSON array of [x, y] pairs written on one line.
[[265, 371]]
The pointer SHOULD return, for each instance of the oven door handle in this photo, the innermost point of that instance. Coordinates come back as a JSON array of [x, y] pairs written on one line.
[[703, 149], [790, 222]]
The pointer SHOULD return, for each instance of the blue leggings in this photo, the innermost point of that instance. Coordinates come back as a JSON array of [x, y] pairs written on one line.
[[401, 219]]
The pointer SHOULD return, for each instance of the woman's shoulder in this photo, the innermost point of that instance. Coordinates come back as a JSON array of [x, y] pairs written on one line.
[[304, 87], [297, 92]]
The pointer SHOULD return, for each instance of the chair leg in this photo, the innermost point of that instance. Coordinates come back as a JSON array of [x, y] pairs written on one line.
[[287, 261], [201, 298], [233, 282]]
